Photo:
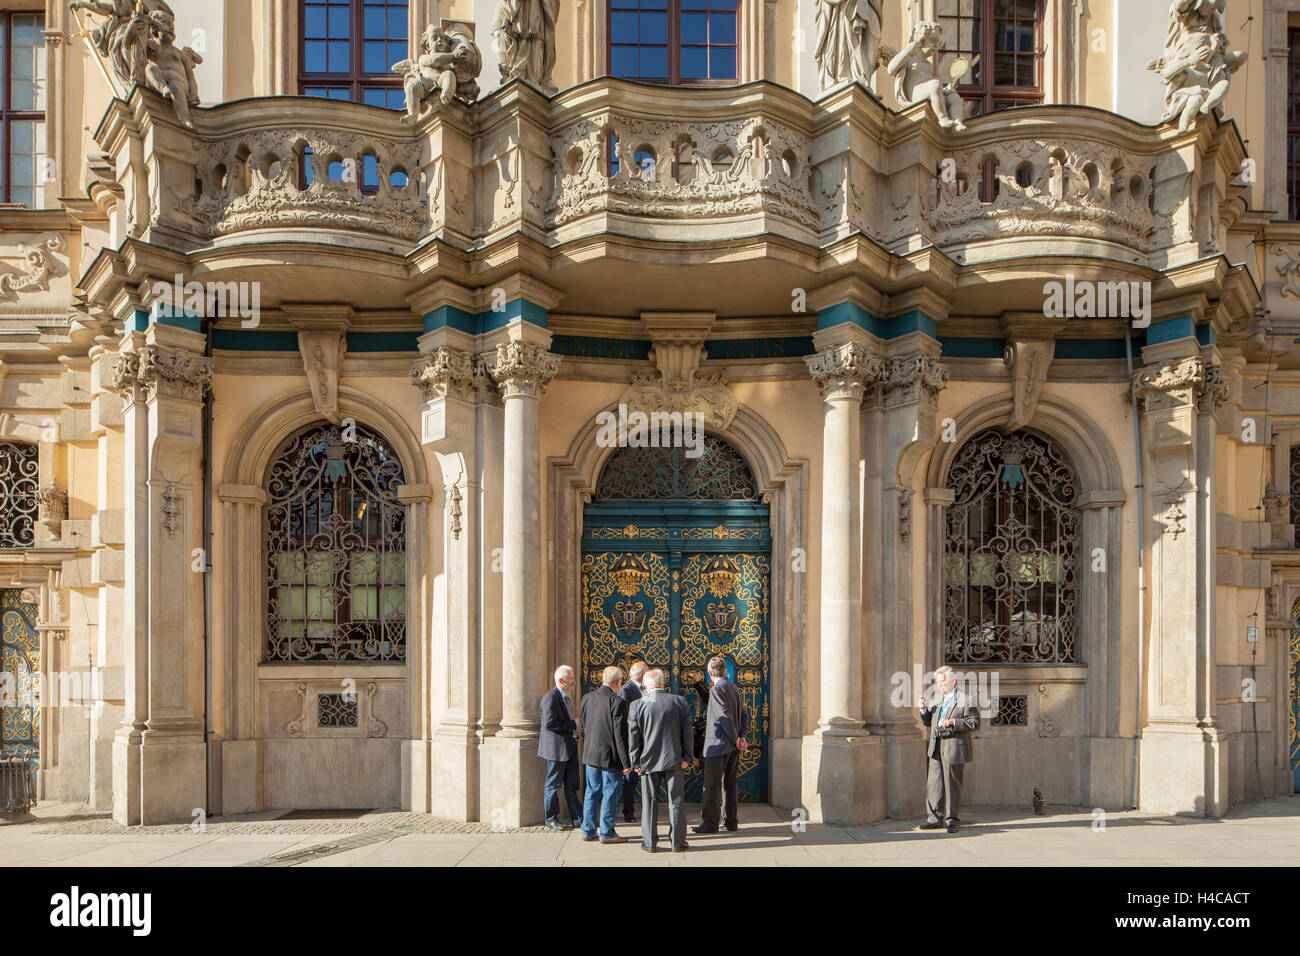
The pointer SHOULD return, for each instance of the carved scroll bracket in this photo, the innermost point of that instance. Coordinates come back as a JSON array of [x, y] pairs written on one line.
[[678, 386], [322, 341]]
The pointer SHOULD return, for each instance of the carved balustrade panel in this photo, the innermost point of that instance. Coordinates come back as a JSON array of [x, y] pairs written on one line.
[[1038, 187], [610, 163]]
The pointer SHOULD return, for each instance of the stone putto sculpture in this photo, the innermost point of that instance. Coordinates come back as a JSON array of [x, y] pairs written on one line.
[[848, 41], [1196, 67], [524, 32], [138, 39], [449, 64], [915, 70]]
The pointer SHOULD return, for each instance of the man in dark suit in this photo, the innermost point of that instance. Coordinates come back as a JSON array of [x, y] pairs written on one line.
[[602, 717], [724, 740], [632, 692], [659, 743], [558, 746], [947, 751]]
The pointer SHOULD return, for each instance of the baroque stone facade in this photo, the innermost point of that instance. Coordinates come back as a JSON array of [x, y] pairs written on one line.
[[414, 328]]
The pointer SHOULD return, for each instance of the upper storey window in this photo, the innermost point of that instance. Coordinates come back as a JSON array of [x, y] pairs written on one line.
[[690, 42], [1003, 39], [23, 107], [348, 49]]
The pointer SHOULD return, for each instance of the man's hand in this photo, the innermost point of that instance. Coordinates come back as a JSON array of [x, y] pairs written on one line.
[[920, 703], [626, 771], [684, 765], [640, 769], [741, 744], [947, 722]]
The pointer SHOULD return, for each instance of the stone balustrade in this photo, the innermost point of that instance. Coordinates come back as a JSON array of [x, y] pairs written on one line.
[[652, 163]]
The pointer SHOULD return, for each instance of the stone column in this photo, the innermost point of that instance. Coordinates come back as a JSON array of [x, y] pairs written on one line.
[[901, 429], [1183, 767], [164, 526], [444, 760], [837, 763], [512, 771]]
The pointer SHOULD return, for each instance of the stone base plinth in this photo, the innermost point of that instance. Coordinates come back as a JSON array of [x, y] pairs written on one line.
[[173, 780], [512, 780], [126, 780], [843, 779], [1183, 772], [238, 776], [453, 790]]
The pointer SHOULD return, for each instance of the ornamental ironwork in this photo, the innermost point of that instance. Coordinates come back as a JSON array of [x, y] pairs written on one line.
[[1295, 491], [1011, 553], [719, 474], [1012, 711], [19, 495], [335, 549], [336, 710]]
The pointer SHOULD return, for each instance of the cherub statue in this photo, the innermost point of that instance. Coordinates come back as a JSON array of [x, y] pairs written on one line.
[[1196, 67], [450, 65], [137, 37], [915, 69], [170, 70]]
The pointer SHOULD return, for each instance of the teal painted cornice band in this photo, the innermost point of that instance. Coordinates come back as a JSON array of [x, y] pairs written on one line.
[[448, 316], [1182, 327], [898, 326]]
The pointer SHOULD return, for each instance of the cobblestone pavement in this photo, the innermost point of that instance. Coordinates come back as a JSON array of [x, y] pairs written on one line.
[[1265, 833]]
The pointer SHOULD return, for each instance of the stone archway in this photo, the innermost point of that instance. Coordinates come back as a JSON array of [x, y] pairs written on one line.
[[783, 487]]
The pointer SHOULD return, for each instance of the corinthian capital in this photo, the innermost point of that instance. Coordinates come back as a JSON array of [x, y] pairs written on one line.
[[445, 373], [126, 377], [844, 371], [1188, 381], [522, 369], [174, 373], [915, 377]]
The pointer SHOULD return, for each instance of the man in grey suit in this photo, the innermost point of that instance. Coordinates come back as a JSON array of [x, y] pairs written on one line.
[[631, 692], [948, 750], [724, 739], [659, 741]]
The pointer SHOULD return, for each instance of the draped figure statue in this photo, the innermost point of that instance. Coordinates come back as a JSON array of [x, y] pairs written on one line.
[[848, 41], [524, 32], [1196, 67]]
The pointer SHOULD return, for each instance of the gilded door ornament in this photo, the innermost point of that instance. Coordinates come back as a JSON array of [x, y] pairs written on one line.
[[1293, 715], [20, 663]]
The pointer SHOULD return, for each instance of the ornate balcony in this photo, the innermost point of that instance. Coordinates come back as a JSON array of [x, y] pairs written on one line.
[[612, 158]]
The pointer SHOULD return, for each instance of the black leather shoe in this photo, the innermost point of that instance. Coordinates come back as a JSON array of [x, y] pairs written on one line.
[[703, 829], [930, 826], [682, 848], [952, 827], [629, 818], [648, 849], [733, 827], [557, 825]]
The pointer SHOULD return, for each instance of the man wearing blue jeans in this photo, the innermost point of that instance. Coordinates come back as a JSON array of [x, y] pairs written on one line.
[[602, 718]]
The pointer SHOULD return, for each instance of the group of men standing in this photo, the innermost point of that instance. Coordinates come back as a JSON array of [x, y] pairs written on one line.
[[639, 732]]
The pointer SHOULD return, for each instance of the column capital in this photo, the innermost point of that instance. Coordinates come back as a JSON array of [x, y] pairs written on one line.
[[157, 371], [844, 371], [522, 368], [1182, 382], [446, 373], [915, 377]]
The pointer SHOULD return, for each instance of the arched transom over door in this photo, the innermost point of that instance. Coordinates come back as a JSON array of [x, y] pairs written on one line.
[[675, 570]]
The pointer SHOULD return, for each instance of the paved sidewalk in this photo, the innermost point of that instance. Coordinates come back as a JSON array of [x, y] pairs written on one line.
[[1266, 833]]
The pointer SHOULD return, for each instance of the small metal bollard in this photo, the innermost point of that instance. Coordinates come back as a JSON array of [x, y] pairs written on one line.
[[17, 790]]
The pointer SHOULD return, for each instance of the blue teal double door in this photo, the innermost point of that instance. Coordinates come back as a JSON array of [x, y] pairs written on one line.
[[675, 583]]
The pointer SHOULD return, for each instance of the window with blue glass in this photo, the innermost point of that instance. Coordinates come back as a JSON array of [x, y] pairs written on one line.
[[686, 42], [348, 50]]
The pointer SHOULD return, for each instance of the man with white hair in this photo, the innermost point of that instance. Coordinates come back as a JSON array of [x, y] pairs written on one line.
[[632, 692], [948, 751], [602, 717], [558, 746], [660, 741]]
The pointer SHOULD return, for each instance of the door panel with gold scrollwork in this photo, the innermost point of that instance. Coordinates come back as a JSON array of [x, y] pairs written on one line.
[[1293, 715], [20, 663], [675, 610]]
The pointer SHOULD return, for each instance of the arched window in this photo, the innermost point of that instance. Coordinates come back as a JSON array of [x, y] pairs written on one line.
[[18, 495], [689, 42], [1003, 39], [348, 48], [1011, 553], [335, 549]]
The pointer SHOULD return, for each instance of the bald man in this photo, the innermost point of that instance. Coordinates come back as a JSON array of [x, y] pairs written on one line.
[[602, 718]]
